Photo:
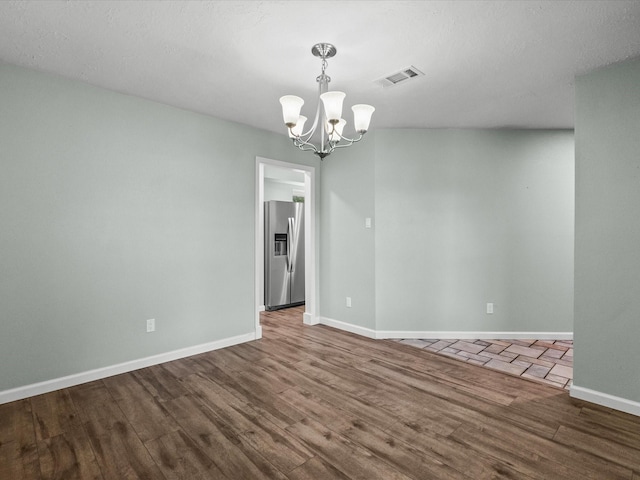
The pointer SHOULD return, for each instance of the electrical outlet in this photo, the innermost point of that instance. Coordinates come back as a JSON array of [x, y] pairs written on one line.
[[151, 325], [489, 308], [349, 302], [367, 222]]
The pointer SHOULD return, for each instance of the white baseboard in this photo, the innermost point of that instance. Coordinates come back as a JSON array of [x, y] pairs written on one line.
[[348, 327], [261, 309], [606, 400], [308, 319], [26, 391], [438, 335]]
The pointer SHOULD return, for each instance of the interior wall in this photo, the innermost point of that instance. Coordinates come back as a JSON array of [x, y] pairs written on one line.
[[607, 252], [115, 210], [468, 217], [347, 257], [277, 190]]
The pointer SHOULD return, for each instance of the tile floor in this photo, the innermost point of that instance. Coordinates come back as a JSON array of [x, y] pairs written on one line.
[[547, 361]]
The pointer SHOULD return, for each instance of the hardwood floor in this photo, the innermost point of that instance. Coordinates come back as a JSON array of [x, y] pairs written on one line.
[[313, 403]]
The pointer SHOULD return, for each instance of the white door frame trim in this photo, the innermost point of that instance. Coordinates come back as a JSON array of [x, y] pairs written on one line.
[[311, 314]]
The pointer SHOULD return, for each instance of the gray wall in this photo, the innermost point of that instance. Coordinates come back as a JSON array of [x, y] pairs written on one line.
[[461, 218], [467, 217], [607, 249], [275, 190], [113, 210], [347, 257]]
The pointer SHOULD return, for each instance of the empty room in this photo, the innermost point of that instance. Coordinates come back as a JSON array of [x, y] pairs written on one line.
[[319, 240]]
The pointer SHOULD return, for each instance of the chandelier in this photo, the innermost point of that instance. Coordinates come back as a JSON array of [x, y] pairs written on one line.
[[328, 120]]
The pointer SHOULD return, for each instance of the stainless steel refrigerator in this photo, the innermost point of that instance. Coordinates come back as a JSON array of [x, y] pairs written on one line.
[[284, 254]]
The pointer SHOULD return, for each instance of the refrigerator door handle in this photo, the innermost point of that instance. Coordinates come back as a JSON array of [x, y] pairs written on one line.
[[290, 239]]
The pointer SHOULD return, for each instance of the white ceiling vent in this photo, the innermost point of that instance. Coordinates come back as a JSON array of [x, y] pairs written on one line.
[[401, 76]]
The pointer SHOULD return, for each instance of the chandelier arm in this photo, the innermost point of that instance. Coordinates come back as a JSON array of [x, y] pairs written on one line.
[[344, 145], [312, 148], [304, 145], [326, 152], [350, 141], [301, 140], [309, 133]]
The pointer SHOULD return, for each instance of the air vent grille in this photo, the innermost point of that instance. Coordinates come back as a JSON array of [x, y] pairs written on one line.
[[401, 76]]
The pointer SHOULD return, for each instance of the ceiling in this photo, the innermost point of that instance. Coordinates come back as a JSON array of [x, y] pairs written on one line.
[[487, 64]]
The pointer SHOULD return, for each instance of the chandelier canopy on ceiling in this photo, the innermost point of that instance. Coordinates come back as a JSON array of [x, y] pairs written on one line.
[[328, 120]]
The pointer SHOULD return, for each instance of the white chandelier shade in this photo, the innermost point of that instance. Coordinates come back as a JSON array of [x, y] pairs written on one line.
[[332, 102], [362, 117], [328, 114], [291, 106], [297, 130]]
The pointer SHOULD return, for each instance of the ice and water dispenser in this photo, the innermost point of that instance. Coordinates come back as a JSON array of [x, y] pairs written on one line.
[[280, 244]]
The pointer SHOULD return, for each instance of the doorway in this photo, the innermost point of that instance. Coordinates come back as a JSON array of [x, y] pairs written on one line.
[[301, 178]]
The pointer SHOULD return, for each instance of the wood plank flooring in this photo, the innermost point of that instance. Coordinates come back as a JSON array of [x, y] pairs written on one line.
[[313, 403]]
